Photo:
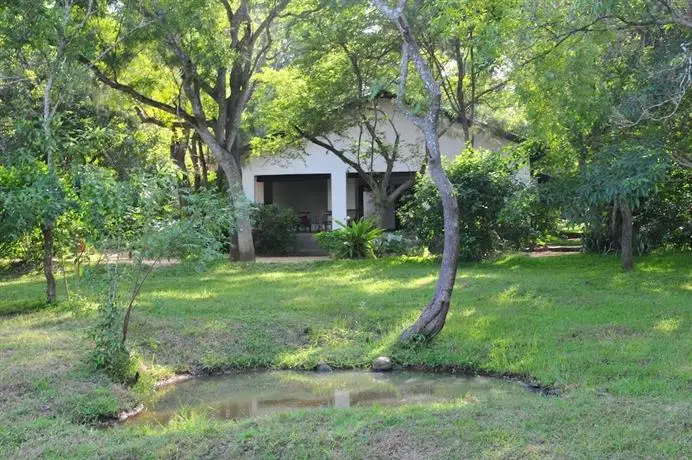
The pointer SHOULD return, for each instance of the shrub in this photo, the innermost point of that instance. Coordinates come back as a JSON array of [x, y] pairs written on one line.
[[525, 218], [353, 241], [397, 244], [495, 210], [663, 219], [109, 352], [329, 241], [274, 230]]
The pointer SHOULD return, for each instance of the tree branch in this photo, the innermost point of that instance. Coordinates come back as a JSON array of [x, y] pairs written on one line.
[[136, 95]]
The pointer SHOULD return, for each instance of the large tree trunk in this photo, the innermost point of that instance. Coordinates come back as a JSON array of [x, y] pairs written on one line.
[[178, 150], [382, 207], [47, 230], [432, 320], [242, 246], [203, 163], [194, 156], [380, 216], [627, 259]]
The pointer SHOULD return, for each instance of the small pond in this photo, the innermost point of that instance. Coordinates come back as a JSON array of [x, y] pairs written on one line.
[[260, 393]]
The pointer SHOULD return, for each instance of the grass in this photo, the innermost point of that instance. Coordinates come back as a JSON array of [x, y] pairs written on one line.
[[617, 345]]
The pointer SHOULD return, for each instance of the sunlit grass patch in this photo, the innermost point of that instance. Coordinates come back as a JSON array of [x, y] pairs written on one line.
[[617, 345]]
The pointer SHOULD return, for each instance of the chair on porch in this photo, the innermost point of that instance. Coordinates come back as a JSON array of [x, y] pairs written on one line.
[[326, 221], [354, 214], [304, 222]]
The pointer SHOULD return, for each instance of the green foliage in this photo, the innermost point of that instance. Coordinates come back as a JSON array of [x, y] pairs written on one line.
[[665, 218], [274, 230], [627, 170], [195, 233], [662, 218], [495, 211], [29, 195], [633, 170], [337, 73], [526, 217], [109, 353], [329, 241], [397, 243], [142, 215], [353, 241]]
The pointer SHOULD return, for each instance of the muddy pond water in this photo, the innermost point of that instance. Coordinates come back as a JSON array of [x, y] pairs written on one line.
[[260, 393]]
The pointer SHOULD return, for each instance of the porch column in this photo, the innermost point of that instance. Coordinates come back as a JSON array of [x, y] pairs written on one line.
[[338, 189], [249, 185]]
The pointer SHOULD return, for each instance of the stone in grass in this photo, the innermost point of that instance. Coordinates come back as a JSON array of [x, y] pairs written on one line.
[[382, 364], [323, 367]]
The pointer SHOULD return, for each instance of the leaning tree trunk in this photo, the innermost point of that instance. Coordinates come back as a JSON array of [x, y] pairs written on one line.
[[47, 230], [626, 257], [432, 320], [49, 223]]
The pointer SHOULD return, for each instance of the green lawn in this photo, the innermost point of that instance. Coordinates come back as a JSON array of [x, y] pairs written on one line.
[[617, 345]]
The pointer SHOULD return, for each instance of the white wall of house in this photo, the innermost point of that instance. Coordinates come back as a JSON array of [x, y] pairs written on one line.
[[341, 191]]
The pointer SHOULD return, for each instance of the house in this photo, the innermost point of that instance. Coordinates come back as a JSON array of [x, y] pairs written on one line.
[[324, 190]]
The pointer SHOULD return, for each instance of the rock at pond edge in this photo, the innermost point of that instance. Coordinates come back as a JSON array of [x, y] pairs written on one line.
[[382, 364], [323, 367]]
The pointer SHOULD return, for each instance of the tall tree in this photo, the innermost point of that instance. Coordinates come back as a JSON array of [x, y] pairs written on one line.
[[432, 319], [609, 105], [212, 49]]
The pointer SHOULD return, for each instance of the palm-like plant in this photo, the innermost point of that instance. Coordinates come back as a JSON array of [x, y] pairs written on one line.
[[357, 239]]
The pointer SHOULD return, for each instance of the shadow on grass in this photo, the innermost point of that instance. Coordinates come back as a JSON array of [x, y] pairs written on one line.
[[19, 307]]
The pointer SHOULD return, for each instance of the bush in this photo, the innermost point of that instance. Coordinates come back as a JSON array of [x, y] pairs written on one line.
[[354, 241], [330, 241], [397, 244], [495, 211], [526, 218], [109, 352], [663, 219], [274, 230]]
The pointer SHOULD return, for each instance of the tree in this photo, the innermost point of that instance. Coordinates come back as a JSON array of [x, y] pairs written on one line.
[[39, 55], [579, 103], [213, 50], [141, 215], [621, 176], [432, 319]]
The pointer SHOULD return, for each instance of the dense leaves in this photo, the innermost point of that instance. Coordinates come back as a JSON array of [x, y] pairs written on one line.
[[496, 210], [274, 230], [357, 240]]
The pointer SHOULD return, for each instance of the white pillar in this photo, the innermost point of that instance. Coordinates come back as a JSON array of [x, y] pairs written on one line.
[[338, 194], [249, 185]]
